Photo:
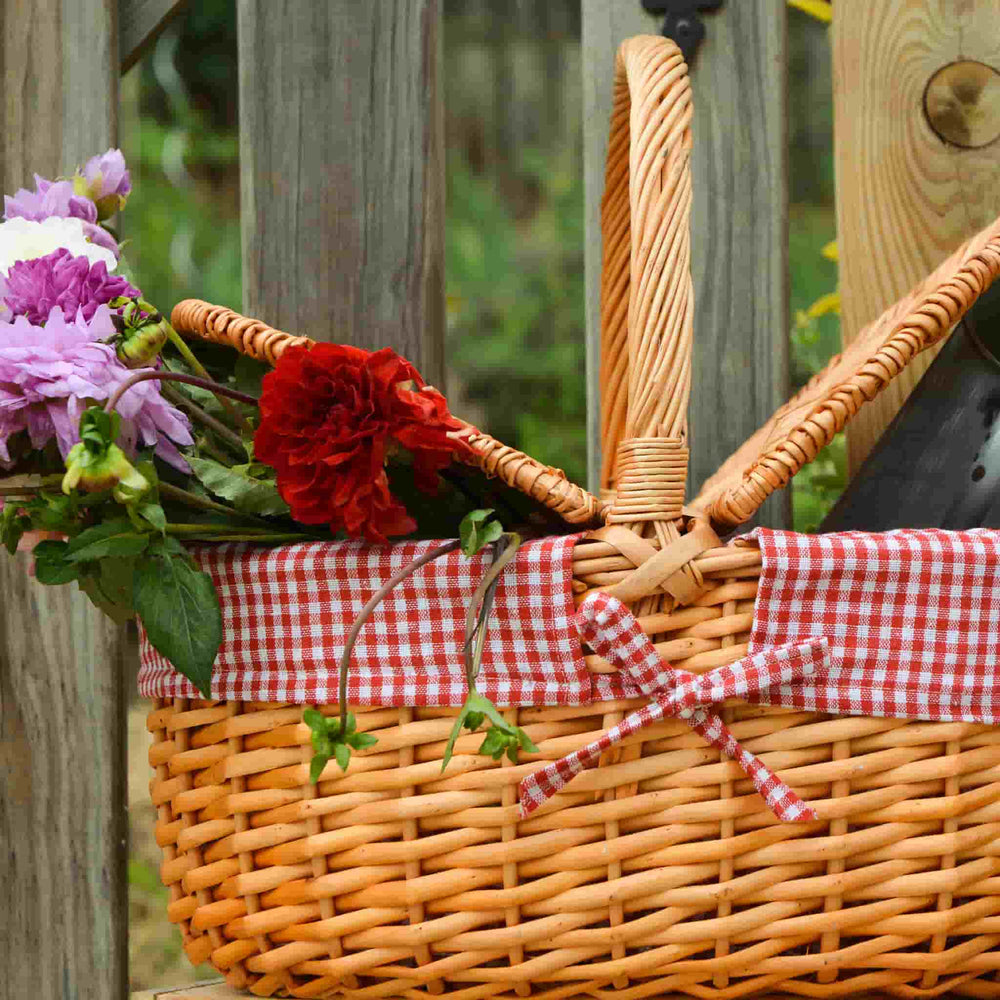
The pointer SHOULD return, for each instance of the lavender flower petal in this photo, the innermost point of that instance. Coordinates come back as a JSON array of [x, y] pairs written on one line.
[[49, 374]]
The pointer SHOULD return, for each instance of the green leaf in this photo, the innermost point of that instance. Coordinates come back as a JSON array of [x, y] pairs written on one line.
[[361, 741], [473, 531], [239, 487], [449, 748], [525, 741], [248, 374], [343, 754], [117, 537], [316, 766], [180, 612], [108, 584], [474, 720], [491, 532], [12, 526], [51, 565], [314, 719], [154, 514]]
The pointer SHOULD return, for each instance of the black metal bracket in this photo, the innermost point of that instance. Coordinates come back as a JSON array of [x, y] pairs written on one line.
[[681, 21]]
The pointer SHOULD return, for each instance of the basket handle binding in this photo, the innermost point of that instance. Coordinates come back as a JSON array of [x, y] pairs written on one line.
[[647, 298]]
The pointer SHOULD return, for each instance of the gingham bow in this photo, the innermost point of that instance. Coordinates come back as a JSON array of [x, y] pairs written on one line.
[[611, 630]]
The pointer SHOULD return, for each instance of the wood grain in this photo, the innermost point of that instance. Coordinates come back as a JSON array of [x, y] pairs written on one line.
[[62, 763], [140, 23], [739, 226], [905, 198], [341, 132], [739, 237]]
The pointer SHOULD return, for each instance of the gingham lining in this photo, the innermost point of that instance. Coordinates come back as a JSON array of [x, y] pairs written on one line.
[[912, 618], [287, 610]]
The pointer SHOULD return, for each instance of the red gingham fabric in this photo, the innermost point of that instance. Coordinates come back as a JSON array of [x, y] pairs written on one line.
[[286, 611], [912, 618], [612, 632]]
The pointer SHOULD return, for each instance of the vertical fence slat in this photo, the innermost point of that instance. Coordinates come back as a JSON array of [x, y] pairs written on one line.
[[739, 241], [739, 236], [341, 148], [63, 924], [905, 198]]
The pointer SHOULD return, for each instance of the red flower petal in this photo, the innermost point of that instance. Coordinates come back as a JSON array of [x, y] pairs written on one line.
[[327, 415]]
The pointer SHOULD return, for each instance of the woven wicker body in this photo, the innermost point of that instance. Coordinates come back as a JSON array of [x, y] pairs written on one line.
[[661, 871]]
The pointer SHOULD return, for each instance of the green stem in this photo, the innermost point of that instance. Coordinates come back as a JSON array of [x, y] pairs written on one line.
[[198, 413], [272, 539], [482, 604], [216, 529], [204, 503], [199, 369]]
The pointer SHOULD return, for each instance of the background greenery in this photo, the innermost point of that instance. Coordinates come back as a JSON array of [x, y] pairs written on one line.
[[514, 250]]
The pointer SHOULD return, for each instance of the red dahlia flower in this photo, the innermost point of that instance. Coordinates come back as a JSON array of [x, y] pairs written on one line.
[[330, 415]]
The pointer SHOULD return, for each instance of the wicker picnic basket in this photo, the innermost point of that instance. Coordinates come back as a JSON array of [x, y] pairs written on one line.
[[660, 872]]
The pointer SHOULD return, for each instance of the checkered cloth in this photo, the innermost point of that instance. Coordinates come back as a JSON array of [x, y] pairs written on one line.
[[611, 630], [286, 611], [912, 617]]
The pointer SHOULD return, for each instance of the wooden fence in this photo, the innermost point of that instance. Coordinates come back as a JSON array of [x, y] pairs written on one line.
[[342, 213]]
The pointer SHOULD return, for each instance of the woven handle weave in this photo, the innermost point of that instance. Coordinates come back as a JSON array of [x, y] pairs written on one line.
[[646, 292]]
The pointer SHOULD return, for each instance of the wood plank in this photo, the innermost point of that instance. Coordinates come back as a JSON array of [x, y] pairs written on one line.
[[905, 197], [140, 23], [739, 223], [62, 727], [739, 237], [341, 145]]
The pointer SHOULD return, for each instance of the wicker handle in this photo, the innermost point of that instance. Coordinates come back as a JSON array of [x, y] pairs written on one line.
[[223, 326], [646, 292]]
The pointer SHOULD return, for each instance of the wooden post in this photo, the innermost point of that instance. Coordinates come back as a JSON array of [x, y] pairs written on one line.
[[341, 146], [917, 164], [739, 237], [63, 930]]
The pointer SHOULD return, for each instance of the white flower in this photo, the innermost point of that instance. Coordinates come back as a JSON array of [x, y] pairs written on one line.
[[22, 239]]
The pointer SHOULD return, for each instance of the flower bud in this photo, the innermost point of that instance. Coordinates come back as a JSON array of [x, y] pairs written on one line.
[[105, 181], [138, 346], [93, 470]]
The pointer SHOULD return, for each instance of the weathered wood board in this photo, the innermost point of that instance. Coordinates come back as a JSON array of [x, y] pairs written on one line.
[[739, 223], [62, 727], [341, 145], [906, 197], [140, 23]]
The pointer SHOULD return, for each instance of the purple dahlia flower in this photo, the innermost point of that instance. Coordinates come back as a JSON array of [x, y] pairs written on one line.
[[50, 374], [105, 180], [50, 198], [35, 287]]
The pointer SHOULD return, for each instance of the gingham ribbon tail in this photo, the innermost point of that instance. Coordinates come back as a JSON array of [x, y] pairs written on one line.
[[612, 632]]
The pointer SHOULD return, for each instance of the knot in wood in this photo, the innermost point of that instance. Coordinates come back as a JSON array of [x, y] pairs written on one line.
[[962, 104]]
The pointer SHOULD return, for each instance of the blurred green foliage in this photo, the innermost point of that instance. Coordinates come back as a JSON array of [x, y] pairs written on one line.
[[516, 307]]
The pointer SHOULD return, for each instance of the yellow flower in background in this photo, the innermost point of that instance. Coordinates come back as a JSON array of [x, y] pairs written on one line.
[[822, 10], [830, 252], [829, 303]]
